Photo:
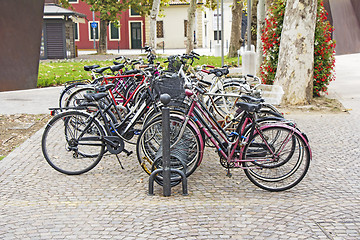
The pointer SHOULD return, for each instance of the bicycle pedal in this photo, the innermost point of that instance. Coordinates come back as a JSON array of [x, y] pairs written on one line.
[[127, 152]]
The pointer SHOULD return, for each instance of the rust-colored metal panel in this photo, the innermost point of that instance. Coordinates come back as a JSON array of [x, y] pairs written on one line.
[[356, 6], [20, 34], [347, 28]]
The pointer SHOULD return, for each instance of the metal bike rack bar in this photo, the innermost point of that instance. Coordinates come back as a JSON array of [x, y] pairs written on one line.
[[166, 170]]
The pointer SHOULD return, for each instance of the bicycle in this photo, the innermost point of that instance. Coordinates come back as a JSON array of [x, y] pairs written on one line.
[[74, 141], [274, 156]]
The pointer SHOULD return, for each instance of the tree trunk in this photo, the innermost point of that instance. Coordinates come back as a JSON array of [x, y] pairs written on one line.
[[191, 26], [267, 4], [235, 39], [103, 37], [260, 27], [153, 15], [254, 4], [296, 55]]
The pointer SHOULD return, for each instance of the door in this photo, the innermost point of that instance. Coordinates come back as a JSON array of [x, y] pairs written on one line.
[[55, 40], [135, 28]]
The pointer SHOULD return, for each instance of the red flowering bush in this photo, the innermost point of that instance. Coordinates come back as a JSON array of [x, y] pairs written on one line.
[[324, 47]]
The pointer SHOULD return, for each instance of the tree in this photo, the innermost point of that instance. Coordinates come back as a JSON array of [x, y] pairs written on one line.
[[235, 39], [296, 55], [324, 47], [260, 27], [190, 26], [153, 15], [109, 11]]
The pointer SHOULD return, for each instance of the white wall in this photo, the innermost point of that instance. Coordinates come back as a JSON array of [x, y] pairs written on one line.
[[210, 23], [174, 26]]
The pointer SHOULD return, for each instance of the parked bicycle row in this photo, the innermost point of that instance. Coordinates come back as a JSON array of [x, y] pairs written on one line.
[[120, 105]]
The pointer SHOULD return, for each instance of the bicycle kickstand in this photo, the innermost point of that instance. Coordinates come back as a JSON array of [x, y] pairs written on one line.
[[228, 174], [119, 161]]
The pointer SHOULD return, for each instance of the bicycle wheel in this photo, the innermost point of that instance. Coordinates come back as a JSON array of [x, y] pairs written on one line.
[[71, 145], [67, 91], [77, 97], [277, 159], [186, 149]]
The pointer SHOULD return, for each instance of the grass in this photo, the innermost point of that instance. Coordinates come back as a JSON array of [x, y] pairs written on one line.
[[56, 73], [2, 157]]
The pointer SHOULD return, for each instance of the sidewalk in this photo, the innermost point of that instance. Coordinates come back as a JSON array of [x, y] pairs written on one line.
[[137, 52]]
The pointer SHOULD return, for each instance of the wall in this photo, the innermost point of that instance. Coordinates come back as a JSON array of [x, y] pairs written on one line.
[[345, 14]]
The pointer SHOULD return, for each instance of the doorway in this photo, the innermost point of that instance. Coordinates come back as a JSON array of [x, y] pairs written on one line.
[[135, 28]]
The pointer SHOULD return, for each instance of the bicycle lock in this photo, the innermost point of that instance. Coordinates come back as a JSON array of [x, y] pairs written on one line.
[[166, 170]]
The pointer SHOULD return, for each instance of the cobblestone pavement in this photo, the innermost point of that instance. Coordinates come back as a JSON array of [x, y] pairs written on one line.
[[111, 203], [39, 203]]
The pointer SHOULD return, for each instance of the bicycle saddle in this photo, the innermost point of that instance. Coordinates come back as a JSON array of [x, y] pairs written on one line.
[[101, 70], [90, 67], [251, 99], [248, 107], [104, 88], [115, 68], [94, 96], [219, 71]]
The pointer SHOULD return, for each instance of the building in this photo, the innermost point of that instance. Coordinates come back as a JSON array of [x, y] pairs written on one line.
[[172, 22], [129, 35], [58, 32]]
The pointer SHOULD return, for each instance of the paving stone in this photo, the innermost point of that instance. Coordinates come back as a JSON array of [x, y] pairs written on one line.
[[107, 202]]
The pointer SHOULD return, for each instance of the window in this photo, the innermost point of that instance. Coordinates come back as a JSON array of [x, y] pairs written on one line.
[[76, 31], [134, 12], [73, 1], [185, 27], [94, 30], [159, 29], [114, 31], [216, 35]]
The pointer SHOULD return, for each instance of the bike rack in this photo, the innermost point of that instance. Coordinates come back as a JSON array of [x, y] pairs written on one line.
[[166, 170]]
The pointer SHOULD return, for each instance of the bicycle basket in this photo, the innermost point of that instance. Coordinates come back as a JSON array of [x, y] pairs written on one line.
[[172, 85], [174, 65]]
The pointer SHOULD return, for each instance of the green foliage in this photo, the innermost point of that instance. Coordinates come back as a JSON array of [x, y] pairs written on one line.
[[324, 47], [271, 41], [324, 51]]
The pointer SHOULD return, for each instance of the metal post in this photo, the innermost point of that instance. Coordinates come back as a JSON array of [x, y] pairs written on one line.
[[166, 170], [249, 25], [93, 29], [217, 16], [165, 99], [222, 32]]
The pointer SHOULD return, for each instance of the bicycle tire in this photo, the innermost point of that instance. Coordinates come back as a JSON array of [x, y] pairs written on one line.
[[188, 149], [275, 175], [68, 90], [77, 97], [66, 150]]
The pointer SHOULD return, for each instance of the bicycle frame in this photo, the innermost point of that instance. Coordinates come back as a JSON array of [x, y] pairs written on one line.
[[199, 114]]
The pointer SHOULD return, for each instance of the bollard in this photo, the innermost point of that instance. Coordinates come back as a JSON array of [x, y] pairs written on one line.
[[165, 99], [166, 170]]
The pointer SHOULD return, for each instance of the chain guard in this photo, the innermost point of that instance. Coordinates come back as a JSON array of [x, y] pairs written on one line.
[[119, 144]]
